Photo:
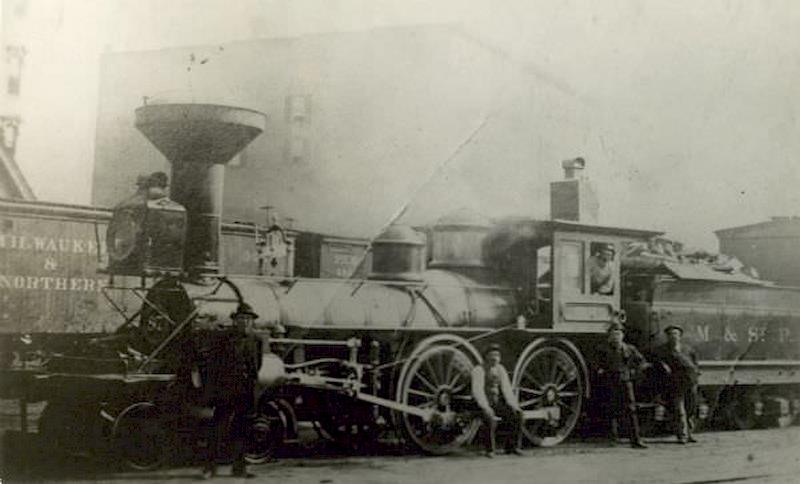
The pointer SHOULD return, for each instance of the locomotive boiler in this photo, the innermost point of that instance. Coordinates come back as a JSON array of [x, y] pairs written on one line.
[[392, 350]]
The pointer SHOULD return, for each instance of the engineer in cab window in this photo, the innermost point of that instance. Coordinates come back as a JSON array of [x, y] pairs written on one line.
[[601, 269]]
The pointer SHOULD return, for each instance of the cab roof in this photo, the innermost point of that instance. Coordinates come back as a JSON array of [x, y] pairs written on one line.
[[541, 231]]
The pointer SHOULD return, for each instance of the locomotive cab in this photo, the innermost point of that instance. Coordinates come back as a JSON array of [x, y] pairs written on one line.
[[566, 274]]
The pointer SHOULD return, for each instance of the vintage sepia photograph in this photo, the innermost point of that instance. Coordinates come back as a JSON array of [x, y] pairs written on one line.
[[400, 241]]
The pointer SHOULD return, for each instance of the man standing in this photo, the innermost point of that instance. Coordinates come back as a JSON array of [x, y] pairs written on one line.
[[618, 361], [681, 390], [491, 389], [233, 373]]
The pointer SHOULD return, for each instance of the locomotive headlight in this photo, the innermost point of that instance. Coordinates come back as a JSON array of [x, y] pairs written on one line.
[[123, 232]]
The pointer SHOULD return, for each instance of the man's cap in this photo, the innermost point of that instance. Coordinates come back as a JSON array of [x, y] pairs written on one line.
[[244, 309], [492, 347], [607, 248], [158, 179], [673, 326], [614, 326]]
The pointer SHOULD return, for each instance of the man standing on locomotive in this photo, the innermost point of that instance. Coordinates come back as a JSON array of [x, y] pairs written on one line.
[[601, 270], [618, 362], [233, 377], [681, 390], [491, 389]]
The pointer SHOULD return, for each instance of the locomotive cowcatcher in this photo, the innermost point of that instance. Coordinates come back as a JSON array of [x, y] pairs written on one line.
[[353, 356]]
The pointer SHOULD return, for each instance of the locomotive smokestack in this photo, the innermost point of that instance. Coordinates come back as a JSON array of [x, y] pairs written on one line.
[[198, 140], [573, 198]]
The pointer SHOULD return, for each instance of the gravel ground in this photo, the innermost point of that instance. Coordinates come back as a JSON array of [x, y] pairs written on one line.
[[770, 456]]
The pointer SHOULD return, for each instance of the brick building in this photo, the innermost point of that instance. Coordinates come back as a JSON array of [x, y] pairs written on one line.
[[772, 247]]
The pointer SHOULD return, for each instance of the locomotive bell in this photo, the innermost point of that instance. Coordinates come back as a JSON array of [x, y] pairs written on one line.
[[398, 254]]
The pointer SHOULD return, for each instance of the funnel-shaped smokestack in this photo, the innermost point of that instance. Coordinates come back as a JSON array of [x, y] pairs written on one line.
[[198, 139]]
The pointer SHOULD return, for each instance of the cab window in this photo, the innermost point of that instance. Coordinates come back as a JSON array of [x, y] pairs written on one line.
[[601, 266]]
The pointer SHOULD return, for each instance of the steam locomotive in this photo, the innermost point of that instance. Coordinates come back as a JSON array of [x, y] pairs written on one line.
[[396, 349]]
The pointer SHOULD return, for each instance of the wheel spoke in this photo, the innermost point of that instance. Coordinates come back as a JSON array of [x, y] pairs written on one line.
[[420, 393], [449, 369], [531, 390], [532, 378], [567, 394], [566, 406], [555, 369], [531, 401], [571, 377], [456, 377], [426, 382], [434, 374]]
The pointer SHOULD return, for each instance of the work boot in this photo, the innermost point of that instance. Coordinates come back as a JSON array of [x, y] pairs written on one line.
[[515, 451], [638, 444], [615, 431], [209, 472], [243, 474], [490, 454], [692, 440]]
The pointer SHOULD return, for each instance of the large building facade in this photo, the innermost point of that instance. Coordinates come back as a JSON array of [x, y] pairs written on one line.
[[772, 247], [13, 51], [357, 121]]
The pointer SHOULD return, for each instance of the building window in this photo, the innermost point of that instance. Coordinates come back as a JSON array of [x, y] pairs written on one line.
[[298, 108], [298, 120], [14, 59]]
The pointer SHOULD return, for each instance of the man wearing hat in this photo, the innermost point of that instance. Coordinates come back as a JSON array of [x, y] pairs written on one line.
[[618, 362], [601, 270], [157, 184], [681, 388], [491, 389], [233, 376]]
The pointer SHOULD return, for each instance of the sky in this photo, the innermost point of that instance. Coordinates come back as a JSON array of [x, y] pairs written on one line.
[[696, 103]]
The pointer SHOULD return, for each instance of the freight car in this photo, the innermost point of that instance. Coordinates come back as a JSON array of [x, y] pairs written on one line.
[[52, 258], [393, 349]]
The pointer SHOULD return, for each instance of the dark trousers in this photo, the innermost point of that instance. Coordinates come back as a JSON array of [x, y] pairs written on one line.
[[229, 425], [511, 419], [683, 401], [624, 405]]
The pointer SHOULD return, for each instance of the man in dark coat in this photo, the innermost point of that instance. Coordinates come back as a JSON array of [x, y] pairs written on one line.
[[618, 362], [681, 388], [491, 389], [232, 373]]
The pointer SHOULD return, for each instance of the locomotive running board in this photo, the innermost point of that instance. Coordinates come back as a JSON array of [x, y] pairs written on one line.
[[544, 413]]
